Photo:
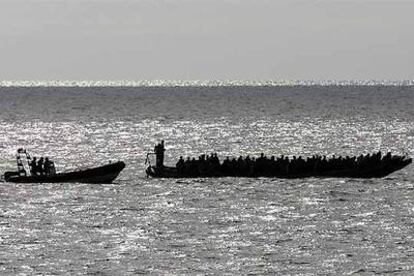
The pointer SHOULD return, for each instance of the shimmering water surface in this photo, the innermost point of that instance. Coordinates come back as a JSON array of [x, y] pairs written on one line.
[[206, 226]]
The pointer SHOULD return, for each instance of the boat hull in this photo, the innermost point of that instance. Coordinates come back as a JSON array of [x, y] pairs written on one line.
[[380, 171], [99, 175]]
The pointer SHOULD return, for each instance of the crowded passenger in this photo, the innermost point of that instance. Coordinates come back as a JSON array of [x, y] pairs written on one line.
[[210, 165]]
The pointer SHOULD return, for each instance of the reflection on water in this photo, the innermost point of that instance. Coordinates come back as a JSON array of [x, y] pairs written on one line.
[[258, 226]]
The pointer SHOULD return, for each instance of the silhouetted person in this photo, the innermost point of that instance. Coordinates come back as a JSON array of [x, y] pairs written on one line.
[[33, 166], [193, 167], [215, 164], [40, 169], [186, 167], [159, 153], [180, 165], [387, 157], [225, 167], [48, 166]]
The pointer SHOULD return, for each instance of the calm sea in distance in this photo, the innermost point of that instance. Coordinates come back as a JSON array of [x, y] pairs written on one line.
[[254, 226]]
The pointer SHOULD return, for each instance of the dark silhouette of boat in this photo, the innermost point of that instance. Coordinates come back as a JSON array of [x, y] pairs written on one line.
[[97, 175], [369, 166], [375, 172]]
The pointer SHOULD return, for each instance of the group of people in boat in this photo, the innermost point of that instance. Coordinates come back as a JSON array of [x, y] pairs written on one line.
[[43, 166], [210, 165]]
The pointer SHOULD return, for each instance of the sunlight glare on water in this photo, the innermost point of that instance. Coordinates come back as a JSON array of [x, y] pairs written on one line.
[[206, 226]]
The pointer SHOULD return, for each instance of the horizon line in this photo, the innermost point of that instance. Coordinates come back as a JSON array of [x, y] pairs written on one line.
[[200, 83]]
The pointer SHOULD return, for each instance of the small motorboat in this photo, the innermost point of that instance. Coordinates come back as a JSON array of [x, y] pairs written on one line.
[[369, 166], [97, 175]]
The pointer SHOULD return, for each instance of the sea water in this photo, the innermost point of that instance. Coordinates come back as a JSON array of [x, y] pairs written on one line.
[[139, 225]]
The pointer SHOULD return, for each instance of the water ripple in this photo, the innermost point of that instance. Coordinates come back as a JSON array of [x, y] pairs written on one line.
[[206, 226]]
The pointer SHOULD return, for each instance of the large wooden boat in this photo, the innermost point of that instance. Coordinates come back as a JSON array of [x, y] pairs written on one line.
[[374, 172], [97, 175], [373, 167]]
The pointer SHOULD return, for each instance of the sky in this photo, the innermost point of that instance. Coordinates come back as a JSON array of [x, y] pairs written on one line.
[[206, 40]]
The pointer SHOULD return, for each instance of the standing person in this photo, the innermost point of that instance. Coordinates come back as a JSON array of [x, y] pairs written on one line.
[[40, 168], [33, 166], [159, 153], [46, 166]]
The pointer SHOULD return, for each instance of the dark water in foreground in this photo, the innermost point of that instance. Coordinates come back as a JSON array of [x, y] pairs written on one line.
[[206, 226]]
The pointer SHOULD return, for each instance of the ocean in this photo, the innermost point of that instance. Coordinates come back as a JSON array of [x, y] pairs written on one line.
[[255, 226]]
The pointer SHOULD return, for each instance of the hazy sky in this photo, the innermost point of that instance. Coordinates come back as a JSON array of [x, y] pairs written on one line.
[[206, 39]]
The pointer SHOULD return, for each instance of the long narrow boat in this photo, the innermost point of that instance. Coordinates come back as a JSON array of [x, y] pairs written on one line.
[[379, 171], [381, 167], [97, 175]]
